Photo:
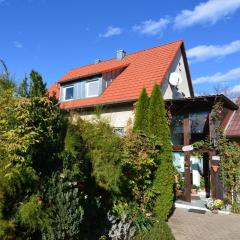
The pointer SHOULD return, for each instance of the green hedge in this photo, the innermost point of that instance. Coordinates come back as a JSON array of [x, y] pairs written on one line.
[[159, 231]]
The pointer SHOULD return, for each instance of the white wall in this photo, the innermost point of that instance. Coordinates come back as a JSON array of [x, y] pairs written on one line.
[[117, 116], [179, 67]]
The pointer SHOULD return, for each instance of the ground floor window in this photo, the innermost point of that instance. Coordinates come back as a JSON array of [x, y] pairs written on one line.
[[119, 130]]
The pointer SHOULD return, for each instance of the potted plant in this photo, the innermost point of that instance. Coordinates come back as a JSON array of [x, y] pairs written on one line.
[[194, 189], [214, 204], [218, 204]]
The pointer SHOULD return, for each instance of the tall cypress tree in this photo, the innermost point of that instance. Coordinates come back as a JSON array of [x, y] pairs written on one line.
[[37, 87], [163, 179], [141, 115]]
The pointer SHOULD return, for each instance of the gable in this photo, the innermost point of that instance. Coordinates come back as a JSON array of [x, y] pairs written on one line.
[[184, 89]]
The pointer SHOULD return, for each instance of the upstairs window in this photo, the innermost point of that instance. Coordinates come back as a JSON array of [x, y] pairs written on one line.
[[68, 93], [92, 88]]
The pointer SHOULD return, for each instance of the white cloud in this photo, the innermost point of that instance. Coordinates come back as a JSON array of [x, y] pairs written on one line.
[[152, 27], [233, 74], [206, 12], [235, 89], [17, 44], [111, 31], [204, 52]]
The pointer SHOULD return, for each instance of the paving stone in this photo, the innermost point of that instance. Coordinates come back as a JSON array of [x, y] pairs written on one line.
[[193, 226]]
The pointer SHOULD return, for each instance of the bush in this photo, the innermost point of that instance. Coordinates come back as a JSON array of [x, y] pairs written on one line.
[[32, 215], [105, 150], [235, 207], [159, 231], [139, 165], [65, 208]]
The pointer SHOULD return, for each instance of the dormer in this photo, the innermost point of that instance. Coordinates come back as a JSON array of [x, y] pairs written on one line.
[[88, 87]]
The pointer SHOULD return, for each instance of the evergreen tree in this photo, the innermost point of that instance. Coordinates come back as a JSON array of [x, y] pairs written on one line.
[[23, 88], [37, 87], [163, 180], [141, 115]]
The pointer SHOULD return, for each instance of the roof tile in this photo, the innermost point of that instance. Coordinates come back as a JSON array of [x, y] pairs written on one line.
[[143, 69]]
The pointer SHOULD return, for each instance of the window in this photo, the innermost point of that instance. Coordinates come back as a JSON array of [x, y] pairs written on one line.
[[92, 88], [119, 130], [177, 130], [198, 126], [68, 93]]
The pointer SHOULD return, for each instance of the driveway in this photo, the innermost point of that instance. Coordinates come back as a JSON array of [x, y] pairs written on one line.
[[190, 226]]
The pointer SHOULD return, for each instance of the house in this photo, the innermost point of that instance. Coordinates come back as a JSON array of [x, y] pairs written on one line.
[[116, 84]]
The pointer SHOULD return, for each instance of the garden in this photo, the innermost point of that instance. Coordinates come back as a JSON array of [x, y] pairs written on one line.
[[65, 178]]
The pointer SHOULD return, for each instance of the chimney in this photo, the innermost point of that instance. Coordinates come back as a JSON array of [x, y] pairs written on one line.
[[97, 61], [120, 54]]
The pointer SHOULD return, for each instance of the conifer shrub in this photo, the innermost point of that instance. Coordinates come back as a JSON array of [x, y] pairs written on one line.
[[33, 215], [64, 201], [163, 179], [159, 231], [104, 149], [141, 113]]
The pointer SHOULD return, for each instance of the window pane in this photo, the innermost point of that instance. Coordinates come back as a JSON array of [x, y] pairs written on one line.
[[198, 126], [92, 88], [68, 93], [177, 130], [119, 130]]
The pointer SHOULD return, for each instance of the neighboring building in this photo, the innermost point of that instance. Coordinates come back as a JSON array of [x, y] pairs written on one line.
[[116, 85], [232, 129]]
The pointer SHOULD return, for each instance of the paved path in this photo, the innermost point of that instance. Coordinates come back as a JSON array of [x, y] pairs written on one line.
[[193, 226]]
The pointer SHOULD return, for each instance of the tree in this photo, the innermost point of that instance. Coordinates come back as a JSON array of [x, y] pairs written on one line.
[[163, 180], [37, 87], [23, 90], [30, 141], [141, 114]]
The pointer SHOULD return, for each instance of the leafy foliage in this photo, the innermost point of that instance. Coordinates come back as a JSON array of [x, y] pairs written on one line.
[[58, 174], [230, 167], [159, 231], [139, 164], [32, 215], [30, 140], [105, 150]]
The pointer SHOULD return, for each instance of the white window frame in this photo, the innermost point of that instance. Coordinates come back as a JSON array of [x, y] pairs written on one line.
[[64, 93], [87, 88]]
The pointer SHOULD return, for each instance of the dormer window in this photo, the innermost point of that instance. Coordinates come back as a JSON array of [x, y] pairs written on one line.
[[68, 92], [92, 88]]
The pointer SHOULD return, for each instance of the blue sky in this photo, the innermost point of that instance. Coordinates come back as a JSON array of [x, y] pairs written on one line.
[[53, 36]]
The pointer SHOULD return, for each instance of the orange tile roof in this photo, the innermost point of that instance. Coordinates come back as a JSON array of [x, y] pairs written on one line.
[[233, 129], [143, 69]]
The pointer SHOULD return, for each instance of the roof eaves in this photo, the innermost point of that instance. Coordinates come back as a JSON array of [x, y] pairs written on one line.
[[102, 104]]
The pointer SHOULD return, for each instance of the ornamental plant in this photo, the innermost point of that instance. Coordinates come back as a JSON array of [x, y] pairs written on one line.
[[164, 175], [218, 204], [141, 113]]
